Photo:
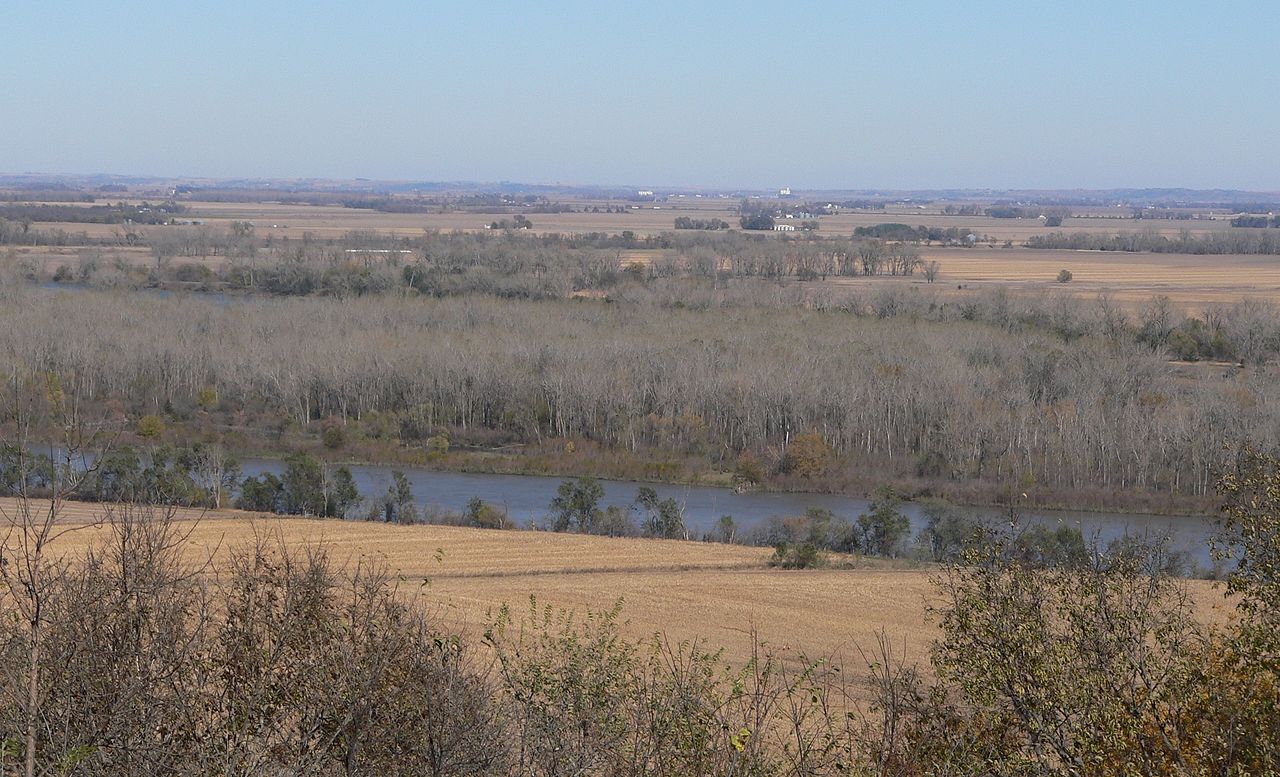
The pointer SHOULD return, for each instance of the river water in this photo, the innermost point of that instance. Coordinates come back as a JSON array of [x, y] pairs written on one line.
[[527, 498]]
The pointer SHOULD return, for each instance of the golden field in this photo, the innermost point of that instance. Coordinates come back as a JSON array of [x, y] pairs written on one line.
[[1192, 281], [718, 594]]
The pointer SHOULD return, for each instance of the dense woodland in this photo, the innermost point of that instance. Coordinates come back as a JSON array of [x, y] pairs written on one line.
[[1020, 392]]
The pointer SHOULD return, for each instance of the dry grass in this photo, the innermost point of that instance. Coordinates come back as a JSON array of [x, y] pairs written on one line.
[[716, 593]]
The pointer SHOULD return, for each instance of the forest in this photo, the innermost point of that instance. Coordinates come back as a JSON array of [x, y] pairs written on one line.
[[995, 391]]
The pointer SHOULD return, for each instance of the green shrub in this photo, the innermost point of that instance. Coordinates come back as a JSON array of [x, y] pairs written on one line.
[[333, 438], [799, 555]]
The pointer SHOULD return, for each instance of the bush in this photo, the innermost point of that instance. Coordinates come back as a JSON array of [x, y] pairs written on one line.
[[482, 515], [808, 456], [802, 555], [150, 427], [1064, 276], [437, 445], [748, 470], [193, 273], [333, 437]]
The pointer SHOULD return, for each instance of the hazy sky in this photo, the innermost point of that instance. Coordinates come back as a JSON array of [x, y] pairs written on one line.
[[897, 93]]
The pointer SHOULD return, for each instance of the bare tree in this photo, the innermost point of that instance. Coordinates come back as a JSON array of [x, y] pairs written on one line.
[[29, 567]]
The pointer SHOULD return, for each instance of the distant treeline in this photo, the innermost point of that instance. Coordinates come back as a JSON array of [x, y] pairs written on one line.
[[46, 195], [1235, 242], [1035, 212], [686, 222], [119, 213], [918, 234], [1255, 221]]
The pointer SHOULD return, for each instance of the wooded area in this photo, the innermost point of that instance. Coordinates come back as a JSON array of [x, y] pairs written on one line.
[[1012, 391]]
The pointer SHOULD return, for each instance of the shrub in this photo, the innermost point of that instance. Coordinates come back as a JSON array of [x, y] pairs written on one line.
[[437, 445], [1064, 276], [482, 515], [150, 427], [800, 555], [193, 273], [748, 470], [333, 438], [808, 456]]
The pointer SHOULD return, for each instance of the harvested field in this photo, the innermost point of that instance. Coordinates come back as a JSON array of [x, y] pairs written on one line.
[[689, 590], [1185, 279], [1131, 279]]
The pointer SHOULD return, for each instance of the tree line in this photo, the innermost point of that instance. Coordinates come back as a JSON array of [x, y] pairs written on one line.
[[1225, 242], [1039, 391]]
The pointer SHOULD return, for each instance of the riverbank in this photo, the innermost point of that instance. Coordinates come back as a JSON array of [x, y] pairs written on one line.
[[850, 477]]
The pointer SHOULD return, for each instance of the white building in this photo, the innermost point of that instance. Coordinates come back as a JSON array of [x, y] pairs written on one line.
[[784, 227]]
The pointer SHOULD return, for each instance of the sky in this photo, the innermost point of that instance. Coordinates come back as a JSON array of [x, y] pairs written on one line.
[[818, 95]]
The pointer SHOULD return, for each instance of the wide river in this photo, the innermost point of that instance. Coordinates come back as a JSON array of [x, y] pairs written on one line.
[[526, 498]]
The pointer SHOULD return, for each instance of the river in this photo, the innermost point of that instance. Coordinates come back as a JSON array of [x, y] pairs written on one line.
[[527, 497]]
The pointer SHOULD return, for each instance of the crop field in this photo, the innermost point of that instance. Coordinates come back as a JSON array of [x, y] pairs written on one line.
[[1133, 278], [1190, 281], [642, 218], [717, 594]]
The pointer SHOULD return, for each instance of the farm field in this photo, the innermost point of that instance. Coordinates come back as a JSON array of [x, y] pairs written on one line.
[[1192, 281], [718, 594], [642, 218], [1134, 278]]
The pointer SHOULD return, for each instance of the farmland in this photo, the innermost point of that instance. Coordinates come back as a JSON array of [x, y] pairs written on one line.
[[998, 259], [717, 594]]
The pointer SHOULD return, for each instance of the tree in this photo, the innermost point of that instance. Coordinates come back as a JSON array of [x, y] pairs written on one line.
[[304, 485], [947, 533], [1250, 534], [212, 470], [1072, 670], [756, 221], [576, 505], [340, 493], [264, 494], [883, 529], [726, 530], [663, 517], [482, 515], [931, 270], [398, 504], [310, 488], [31, 571], [808, 455]]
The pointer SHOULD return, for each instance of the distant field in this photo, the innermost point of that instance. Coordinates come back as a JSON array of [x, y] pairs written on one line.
[[1188, 280], [689, 590], [644, 219], [1193, 281]]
